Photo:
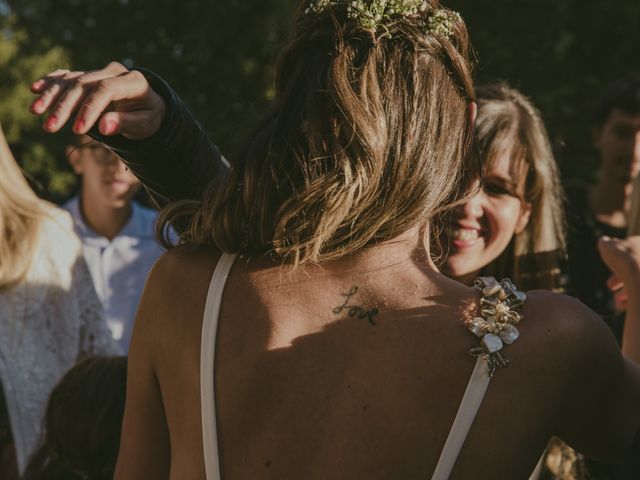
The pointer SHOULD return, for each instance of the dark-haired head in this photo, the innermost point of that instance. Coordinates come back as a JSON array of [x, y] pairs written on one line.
[[83, 423], [623, 95], [368, 138], [616, 134]]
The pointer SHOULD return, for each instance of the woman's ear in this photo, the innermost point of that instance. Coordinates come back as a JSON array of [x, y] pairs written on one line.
[[473, 113], [525, 216]]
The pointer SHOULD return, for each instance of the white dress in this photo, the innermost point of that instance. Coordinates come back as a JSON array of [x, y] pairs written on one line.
[[47, 322]]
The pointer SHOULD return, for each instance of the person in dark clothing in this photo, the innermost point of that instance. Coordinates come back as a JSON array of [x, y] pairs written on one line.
[[601, 209]]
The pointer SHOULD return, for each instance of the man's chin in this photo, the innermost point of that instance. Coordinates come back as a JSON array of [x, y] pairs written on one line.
[[118, 203]]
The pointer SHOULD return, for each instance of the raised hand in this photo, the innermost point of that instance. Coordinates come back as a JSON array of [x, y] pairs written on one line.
[[620, 295], [622, 257], [120, 101]]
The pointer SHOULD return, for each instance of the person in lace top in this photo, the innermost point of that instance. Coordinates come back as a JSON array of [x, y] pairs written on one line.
[[341, 351], [50, 315]]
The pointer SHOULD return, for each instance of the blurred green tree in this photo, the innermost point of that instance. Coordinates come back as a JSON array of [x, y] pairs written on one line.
[[21, 59], [219, 56]]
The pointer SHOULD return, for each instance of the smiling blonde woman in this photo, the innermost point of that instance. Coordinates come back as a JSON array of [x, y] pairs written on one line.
[[514, 225]]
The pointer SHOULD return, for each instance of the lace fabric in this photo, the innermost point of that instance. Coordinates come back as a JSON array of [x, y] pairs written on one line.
[[47, 323]]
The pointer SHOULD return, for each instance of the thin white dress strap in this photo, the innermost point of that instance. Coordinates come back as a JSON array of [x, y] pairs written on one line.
[[207, 357], [500, 311], [471, 401]]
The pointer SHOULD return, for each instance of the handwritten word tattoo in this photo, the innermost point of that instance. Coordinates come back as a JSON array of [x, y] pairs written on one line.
[[355, 310]]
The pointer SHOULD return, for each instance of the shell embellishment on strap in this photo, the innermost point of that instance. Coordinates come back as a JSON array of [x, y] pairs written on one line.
[[500, 311]]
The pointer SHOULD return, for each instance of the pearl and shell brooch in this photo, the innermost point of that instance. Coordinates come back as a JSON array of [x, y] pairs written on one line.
[[500, 311]]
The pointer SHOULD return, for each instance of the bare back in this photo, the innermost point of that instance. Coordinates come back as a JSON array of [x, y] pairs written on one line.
[[306, 390]]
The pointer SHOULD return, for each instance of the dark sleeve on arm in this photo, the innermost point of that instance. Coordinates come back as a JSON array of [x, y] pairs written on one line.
[[179, 160]]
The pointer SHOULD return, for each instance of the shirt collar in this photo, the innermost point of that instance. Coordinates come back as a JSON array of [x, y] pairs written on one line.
[[136, 227]]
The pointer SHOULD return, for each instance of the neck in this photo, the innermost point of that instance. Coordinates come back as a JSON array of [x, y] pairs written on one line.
[[409, 246], [608, 200], [466, 279], [106, 221]]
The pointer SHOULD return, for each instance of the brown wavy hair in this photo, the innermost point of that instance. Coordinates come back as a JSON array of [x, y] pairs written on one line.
[[368, 137]]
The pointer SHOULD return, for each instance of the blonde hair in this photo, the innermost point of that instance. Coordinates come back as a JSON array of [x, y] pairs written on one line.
[[508, 122], [369, 136], [20, 220]]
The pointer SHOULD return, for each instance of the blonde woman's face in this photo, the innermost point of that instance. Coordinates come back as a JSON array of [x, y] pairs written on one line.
[[482, 228]]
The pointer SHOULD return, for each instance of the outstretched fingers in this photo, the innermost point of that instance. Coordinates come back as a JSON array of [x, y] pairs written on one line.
[[121, 100], [41, 84], [62, 92], [49, 88], [124, 87], [63, 101]]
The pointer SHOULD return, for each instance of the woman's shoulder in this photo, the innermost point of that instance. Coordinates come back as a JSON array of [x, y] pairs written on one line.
[[573, 337], [599, 387], [177, 286], [58, 247], [183, 266], [182, 272], [57, 228], [563, 314]]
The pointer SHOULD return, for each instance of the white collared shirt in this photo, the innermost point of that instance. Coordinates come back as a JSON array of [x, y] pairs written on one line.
[[119, 267]]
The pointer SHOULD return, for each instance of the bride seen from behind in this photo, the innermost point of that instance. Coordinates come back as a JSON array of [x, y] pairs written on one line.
[[341, 351]]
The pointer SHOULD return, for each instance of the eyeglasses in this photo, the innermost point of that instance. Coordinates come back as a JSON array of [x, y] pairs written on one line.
[[99, 153]]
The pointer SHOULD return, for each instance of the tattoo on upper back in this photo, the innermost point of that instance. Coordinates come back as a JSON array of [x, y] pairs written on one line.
[[356, 310]]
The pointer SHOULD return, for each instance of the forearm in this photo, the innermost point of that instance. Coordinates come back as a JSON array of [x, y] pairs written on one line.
[[179, 160]]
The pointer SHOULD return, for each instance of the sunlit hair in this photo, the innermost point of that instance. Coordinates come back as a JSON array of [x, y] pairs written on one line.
[[508, 123], [368, 138], [20, 220]]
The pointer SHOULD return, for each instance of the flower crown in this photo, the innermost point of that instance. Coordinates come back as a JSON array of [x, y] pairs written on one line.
[[375, 14]]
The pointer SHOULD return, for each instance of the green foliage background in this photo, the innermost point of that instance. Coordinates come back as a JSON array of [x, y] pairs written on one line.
[[219, 54]]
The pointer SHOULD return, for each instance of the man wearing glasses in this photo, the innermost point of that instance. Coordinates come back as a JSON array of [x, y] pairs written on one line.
[[117, 233]]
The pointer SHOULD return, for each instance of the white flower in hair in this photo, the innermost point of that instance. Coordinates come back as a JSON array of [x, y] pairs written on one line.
[[441, 22]]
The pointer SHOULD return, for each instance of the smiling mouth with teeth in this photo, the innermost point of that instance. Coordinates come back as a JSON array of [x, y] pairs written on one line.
[[464, 234]]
